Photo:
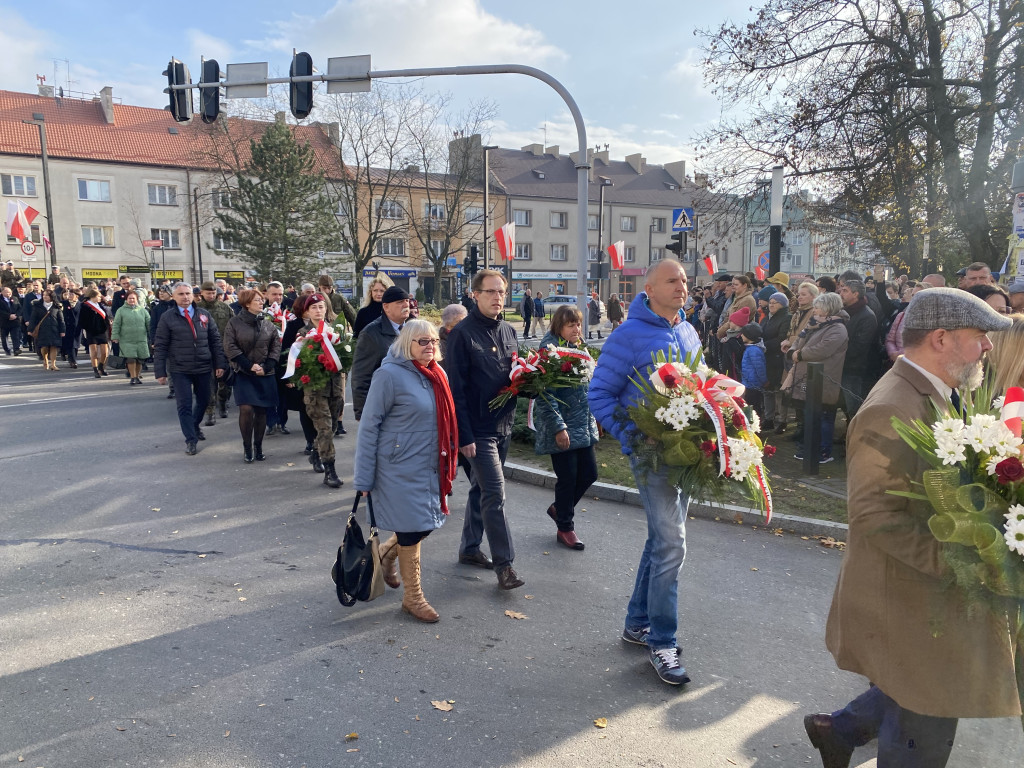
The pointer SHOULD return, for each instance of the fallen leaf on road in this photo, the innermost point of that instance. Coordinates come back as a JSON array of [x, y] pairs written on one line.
[[242, 599], [444, 706], [528, 597], [753, 569], [155, 509], [351, 750], [119, 728], [351, 736], [226, 734], [516, 615], [601, 722], [200, 555], [290, 464]]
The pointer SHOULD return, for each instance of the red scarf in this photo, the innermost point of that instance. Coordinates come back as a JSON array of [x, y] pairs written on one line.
[[447, 428]]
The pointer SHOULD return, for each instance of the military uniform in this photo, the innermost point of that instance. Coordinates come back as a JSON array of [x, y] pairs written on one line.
[[324, 407], [9, 278], [221, 313]]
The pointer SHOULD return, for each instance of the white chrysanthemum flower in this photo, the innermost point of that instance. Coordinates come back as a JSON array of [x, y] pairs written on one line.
[[755, 422], [980, 433], [997, 404], [950, 428], [1014, 536], [951, 454], [678, 414], [1015, 514], [744, 457]]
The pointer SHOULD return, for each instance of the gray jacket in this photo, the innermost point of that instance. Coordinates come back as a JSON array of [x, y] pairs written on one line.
[[371, 348], [396, 450]]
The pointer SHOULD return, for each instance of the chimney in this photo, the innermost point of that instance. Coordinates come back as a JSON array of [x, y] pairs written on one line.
[[331, 130], [466, 156], [602, 156], [107, 103], [279, 117], [534, 149], [552, 151], [677, 171], [637, 163], [46, 91]]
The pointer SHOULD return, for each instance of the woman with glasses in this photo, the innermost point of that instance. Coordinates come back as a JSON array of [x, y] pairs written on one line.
[[567, 431], [995, 296], [253, 348], [406, 455]]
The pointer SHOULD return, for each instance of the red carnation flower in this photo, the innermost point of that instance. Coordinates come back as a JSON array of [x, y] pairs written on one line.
[[322, 359], [769, 451], [707, 448], [298, 362], [737, 419], [566, 366], [1009, 471], [304, 379]]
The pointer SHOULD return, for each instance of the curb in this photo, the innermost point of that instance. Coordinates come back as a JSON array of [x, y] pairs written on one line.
[[706, 510]]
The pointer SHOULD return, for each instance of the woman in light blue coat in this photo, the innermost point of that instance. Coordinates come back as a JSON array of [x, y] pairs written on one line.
[[567, 431], [406, 454]]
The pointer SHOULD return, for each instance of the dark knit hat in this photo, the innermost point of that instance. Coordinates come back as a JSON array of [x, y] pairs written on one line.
[[752, 331], [394, 293]]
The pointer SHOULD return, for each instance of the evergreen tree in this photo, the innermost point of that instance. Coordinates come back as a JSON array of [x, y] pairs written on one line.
[[281, 213]]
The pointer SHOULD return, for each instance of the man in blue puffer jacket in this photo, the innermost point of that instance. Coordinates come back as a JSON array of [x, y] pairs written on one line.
[[654, 324]]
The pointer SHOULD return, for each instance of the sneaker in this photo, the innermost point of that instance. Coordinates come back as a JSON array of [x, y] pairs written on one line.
[[825, 458], [636, 636], [799, 455], [666, 662]]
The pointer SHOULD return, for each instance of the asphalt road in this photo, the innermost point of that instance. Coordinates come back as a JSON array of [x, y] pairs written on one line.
[[164, 610]]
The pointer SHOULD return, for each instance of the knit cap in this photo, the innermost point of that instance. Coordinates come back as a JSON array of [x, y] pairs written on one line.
[[740, 317]]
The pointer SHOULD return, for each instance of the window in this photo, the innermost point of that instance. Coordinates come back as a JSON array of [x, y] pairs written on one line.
[[92, 189], [593, 221], [627, 223], [797, 259], [760, 238], [222, 198], [591, 253], [723, 256], [24, 186], [559, 220], [559, 252], [36, 236], [391, 246], [437, 248], [162, 194], [522, 251], [796, 238], [522, 218], [656, 254], [169, 237], [434, 211], [630, 254], [658, 224], [390, 209], [222, 243], [98, 236], [474, 215]]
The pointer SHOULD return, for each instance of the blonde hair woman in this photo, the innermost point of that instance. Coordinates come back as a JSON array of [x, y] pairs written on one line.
[[372, 307], [1006, 358]]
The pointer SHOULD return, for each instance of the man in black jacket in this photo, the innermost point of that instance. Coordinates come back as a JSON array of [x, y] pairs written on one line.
[[373, 344], [34, 292], [863, 355], [10, 320], [188, 347], [480, 351]]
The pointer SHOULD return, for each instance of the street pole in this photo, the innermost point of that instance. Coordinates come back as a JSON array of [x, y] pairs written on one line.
[[199, 234], [39, 123], [775, 223], [487, 209]]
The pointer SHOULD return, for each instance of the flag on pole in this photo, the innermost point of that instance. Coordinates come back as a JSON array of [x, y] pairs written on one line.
[[711, 264], [19, 219], [46, 242], [506, 237], [616, 252], [760, 273]]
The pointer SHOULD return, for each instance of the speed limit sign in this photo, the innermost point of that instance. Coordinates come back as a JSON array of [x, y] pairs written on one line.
[[28, 248]]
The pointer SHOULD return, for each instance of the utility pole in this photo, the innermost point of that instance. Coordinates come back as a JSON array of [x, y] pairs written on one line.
[[37, 120], [775, 223]]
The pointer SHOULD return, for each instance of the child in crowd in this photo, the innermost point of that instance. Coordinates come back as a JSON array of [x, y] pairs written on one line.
[[732, 345], [754, 372]]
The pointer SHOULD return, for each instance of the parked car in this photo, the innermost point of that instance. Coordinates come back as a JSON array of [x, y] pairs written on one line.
[[559, 298]]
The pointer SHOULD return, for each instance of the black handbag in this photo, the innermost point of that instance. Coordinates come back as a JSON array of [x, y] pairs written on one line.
[[115, 362], [357, 572]]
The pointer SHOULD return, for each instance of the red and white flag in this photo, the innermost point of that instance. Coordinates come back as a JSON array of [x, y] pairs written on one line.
[[760, 272], [506, 237], [616, 252], [711, 264], [46, 242], [19, 219]]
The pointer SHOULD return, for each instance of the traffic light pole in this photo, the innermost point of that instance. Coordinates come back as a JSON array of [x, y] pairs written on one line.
[[357, 79]]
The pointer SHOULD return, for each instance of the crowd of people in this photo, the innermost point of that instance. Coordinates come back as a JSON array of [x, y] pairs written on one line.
[[422, 395]]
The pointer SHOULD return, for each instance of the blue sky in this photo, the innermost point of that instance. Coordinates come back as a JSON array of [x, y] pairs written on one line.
[[633, 68]]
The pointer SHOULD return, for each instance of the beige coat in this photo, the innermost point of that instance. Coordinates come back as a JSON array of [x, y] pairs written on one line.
[[746, 300], [892, 618]]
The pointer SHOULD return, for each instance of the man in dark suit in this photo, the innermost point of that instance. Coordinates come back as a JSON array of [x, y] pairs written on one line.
[[10, 321], [895, 619], [34, 292]]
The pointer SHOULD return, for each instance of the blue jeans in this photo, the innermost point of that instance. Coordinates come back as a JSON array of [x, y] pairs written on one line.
[[905, 739], [485, 505], [655, 599], [184, 384]]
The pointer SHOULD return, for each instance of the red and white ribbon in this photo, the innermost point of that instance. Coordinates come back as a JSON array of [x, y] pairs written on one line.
[[521, 366], [327, 339], [279, 315], [1012, 412]]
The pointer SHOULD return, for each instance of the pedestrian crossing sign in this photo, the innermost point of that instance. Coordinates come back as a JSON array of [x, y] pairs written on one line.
[[682, 220]]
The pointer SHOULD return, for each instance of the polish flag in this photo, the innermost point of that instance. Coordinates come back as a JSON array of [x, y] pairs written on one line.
[[506, 237], [1013, 409], [760, 273], [46, 242], [19, 219], [711, 264], [615, 253]]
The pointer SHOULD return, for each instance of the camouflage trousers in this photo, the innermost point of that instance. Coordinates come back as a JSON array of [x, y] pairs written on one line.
[[221, 393], [324, 408]]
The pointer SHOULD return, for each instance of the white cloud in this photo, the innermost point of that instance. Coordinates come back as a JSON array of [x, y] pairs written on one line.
[[413, 33], [24, 53], [204, 45]]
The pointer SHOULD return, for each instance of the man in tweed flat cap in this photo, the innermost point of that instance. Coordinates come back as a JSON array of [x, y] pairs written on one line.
[[893, 618]]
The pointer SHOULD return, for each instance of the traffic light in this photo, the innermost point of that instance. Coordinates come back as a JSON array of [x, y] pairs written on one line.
[[853, 246], [471, 266], [180, 101], [209, 91], [676, 246], [300, 95]]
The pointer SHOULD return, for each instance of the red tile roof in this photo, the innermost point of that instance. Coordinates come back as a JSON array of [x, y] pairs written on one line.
[[77, 130]]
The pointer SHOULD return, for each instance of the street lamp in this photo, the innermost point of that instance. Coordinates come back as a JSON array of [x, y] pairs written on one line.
[[775, 223], [487, 209], [37, 120], [605, 182]]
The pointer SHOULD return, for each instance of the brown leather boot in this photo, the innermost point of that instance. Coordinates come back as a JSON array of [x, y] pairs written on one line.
[[388, 561], [413, 602]]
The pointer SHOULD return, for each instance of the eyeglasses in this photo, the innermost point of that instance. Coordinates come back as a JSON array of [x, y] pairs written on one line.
[[428, 342], [494, 291], [1004, 310]]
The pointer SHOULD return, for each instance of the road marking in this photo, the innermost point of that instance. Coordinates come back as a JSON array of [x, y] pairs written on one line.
[[59, 399]]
